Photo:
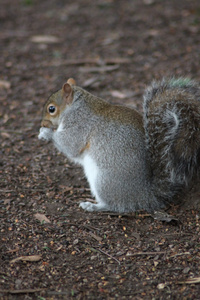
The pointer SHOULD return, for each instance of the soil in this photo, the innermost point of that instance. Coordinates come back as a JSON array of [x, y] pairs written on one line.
[[50, 248]]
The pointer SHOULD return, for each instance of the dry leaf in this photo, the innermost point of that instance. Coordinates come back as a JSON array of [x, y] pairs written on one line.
[[5, 84], [89, 82], [164, 217], [118, 94], [42, 218], [44, 39], [5, 135], [6, 202], [153, 32], [161, 286], [32, 258]]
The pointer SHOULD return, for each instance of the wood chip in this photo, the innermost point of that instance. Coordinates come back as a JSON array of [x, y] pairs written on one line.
[[31, 258], [44, 39], [192, 280], [96, 237], [42, 218]]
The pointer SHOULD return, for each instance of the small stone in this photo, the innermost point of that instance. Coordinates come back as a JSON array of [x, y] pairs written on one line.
[[186, 270]]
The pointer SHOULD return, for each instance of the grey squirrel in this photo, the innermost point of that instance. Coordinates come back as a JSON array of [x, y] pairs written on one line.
[[132, 162]]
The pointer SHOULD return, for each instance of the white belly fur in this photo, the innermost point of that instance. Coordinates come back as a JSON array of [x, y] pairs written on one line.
[[91, 171]]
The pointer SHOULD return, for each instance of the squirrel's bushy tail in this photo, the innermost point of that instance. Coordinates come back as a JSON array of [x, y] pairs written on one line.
[[172, 131]]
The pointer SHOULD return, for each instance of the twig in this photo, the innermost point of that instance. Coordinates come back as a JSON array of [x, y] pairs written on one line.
[[82, 226], [19, 132], [25, 291], [108, 61], [13, 250], [11, 131], [57, 293], [108, 255], [147, 253], [7, 191], [177, 233], [180, 254], [99, 69]]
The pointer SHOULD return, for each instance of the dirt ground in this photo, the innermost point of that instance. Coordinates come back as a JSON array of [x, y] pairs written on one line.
[[113, 49]]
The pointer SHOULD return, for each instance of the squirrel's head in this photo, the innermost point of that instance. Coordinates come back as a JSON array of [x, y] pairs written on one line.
[[56, 104]]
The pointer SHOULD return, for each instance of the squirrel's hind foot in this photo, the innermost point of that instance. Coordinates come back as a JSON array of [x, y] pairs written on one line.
[[88, 206]]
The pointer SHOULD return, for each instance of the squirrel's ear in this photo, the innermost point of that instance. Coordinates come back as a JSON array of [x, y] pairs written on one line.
[[71, 81], [66, 89], [67, 93]]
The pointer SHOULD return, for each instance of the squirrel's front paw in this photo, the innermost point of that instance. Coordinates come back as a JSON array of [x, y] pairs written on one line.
[[45, 134]]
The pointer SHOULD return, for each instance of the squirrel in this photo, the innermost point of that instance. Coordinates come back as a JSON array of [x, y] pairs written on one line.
[[131, 161]]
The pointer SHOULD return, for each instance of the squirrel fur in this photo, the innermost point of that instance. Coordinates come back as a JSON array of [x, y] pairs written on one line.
[[132, 162]]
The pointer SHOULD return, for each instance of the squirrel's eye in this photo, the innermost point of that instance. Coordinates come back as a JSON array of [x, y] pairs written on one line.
[[52, 109]]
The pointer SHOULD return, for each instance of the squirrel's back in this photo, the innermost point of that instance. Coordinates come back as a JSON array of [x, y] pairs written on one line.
[[172, 131]]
